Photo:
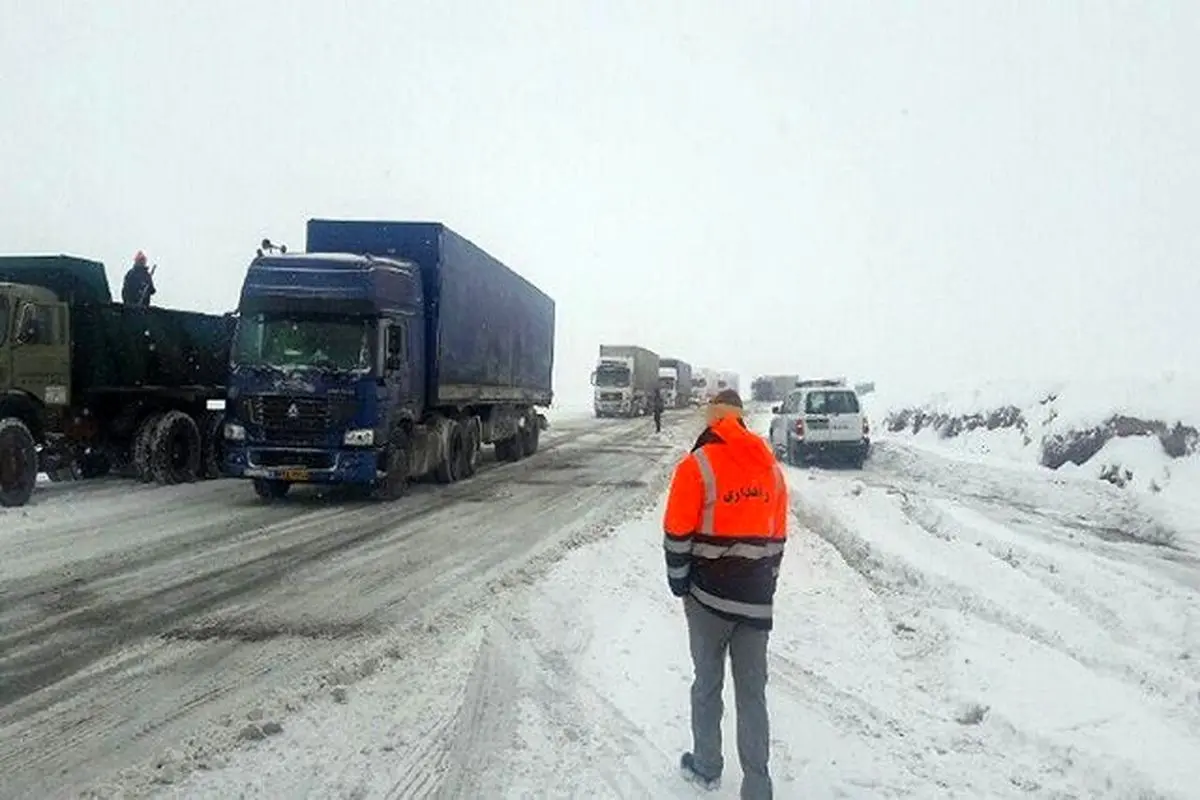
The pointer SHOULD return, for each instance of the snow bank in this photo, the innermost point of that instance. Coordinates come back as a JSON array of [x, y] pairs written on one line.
[[1139, 433]]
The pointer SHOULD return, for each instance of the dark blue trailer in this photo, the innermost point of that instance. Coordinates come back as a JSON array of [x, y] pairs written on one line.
[[387, 351]]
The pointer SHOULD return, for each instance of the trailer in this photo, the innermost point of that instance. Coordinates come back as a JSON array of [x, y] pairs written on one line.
[[89, 387], [625, 379], [387, 352]]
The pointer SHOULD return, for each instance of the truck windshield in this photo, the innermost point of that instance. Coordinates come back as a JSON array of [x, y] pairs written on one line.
[[287, 341], [666, 382], [612, 376], [3, 319]]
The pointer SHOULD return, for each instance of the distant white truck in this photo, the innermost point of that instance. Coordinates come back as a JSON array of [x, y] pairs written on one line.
[[675, 382], [624, 379], [728, 380], [704, 381]]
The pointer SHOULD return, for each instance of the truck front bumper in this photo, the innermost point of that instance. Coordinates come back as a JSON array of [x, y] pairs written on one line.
[[351, 465]]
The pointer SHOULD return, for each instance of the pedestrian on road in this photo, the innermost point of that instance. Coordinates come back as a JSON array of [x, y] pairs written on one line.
[[139, 283], [726, 524], [658, 410]]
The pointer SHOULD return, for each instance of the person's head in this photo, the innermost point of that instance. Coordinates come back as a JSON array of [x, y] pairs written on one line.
[[726, 403], [139, 260]]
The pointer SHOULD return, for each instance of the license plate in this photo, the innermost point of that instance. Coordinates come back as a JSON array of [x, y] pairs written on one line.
[[295, 475]]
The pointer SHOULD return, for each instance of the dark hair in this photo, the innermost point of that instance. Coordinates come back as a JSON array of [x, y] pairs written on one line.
[[727, 397]]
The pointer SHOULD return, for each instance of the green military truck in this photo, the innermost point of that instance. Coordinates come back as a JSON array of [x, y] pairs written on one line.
[[90, 387]]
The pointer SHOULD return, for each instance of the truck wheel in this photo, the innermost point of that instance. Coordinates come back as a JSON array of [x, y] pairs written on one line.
[[93, 464], [510, 449], [530, 438], [395, 484], [450, 470], [143, 443], [18, 463], [175, 449], [470, 462], [271, 490]]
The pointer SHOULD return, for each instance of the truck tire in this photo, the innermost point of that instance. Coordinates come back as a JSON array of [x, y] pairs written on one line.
[[143, 443], [530, 438], [472, 444], [175, 450], [212, 453], [395, 484], [18, 463], [450, 470], [271, 490]]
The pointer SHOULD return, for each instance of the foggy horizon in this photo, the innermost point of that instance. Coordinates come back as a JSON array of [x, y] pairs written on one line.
[[912, 195]]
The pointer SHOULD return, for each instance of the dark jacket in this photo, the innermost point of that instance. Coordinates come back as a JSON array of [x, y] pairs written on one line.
[[138, 286]]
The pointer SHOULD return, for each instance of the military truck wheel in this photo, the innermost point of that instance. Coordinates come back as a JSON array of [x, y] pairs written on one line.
[[271, 490], [175, 449], [143, 443], [18, 463], [212, 457], [530, 438], [470, 462], [450, 470], [395, 484]]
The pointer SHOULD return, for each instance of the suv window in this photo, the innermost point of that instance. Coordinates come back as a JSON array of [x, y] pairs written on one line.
[[835, 402]]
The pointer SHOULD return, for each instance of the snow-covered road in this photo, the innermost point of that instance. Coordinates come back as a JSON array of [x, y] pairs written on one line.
[[139, 621], [945, 628]]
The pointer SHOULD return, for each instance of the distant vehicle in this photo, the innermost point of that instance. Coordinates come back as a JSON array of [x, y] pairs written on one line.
[[728, 380], [864, 388], [625, 378], [704, 381], [821, 421], [89, 386], [386, 352], [675, 382], [772, 388]]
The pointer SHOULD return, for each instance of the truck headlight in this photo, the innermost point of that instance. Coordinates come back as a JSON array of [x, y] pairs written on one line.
[[235, 432], [359, 438]]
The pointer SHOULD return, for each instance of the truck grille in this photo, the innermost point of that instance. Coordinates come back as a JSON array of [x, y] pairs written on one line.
[[301, 420], [610, 396]]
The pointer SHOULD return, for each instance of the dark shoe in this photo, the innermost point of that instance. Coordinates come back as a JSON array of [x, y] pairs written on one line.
[[687, 765]]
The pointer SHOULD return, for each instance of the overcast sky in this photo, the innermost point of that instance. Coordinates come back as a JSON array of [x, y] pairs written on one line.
[[905, 191]]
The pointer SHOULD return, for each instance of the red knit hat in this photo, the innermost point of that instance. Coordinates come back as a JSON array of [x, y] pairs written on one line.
[[140, 258]]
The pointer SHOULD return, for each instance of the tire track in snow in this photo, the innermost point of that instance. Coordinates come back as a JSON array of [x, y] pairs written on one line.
[[306, 571]]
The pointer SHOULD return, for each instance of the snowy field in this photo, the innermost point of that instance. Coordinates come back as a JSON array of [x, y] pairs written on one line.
[[949, 624], [944, 630]]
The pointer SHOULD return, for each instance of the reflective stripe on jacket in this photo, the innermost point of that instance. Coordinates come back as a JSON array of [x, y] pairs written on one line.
[[726, 524]]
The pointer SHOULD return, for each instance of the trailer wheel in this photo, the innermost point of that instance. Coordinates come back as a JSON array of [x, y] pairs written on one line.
[[450, 469], [271, 490], [18, 463], [213, 447], [473, 443], [175, 449], [509, 450], [143, 443]]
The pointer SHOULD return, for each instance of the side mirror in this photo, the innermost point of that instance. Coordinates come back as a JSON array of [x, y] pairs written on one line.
[[777, 409], [593, 379]]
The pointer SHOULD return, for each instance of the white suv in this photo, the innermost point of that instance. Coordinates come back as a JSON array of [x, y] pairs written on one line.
[[820, 419]]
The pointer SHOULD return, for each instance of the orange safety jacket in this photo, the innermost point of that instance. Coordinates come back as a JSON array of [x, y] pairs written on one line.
[[726, 524]]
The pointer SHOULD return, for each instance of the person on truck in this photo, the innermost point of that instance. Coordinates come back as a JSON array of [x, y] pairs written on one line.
[[658, 410], [139, 283]]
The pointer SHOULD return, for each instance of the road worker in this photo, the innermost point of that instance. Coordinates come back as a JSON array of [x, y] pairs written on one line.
[[139, 282], [725, 525]]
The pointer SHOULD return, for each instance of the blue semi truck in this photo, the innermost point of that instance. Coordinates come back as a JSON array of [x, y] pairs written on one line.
[[386, 352]]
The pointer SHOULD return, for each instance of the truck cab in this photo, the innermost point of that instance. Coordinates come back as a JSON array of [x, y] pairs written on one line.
[[35, 349], [613, 382], [326, 365], [668, 380]]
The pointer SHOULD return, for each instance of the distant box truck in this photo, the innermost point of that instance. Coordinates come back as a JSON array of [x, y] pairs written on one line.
[[772, 388], [675, 382], [386, 352], [89, 386], [625, 378]]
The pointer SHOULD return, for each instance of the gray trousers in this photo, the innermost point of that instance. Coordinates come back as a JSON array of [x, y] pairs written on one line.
[[711, 638]]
